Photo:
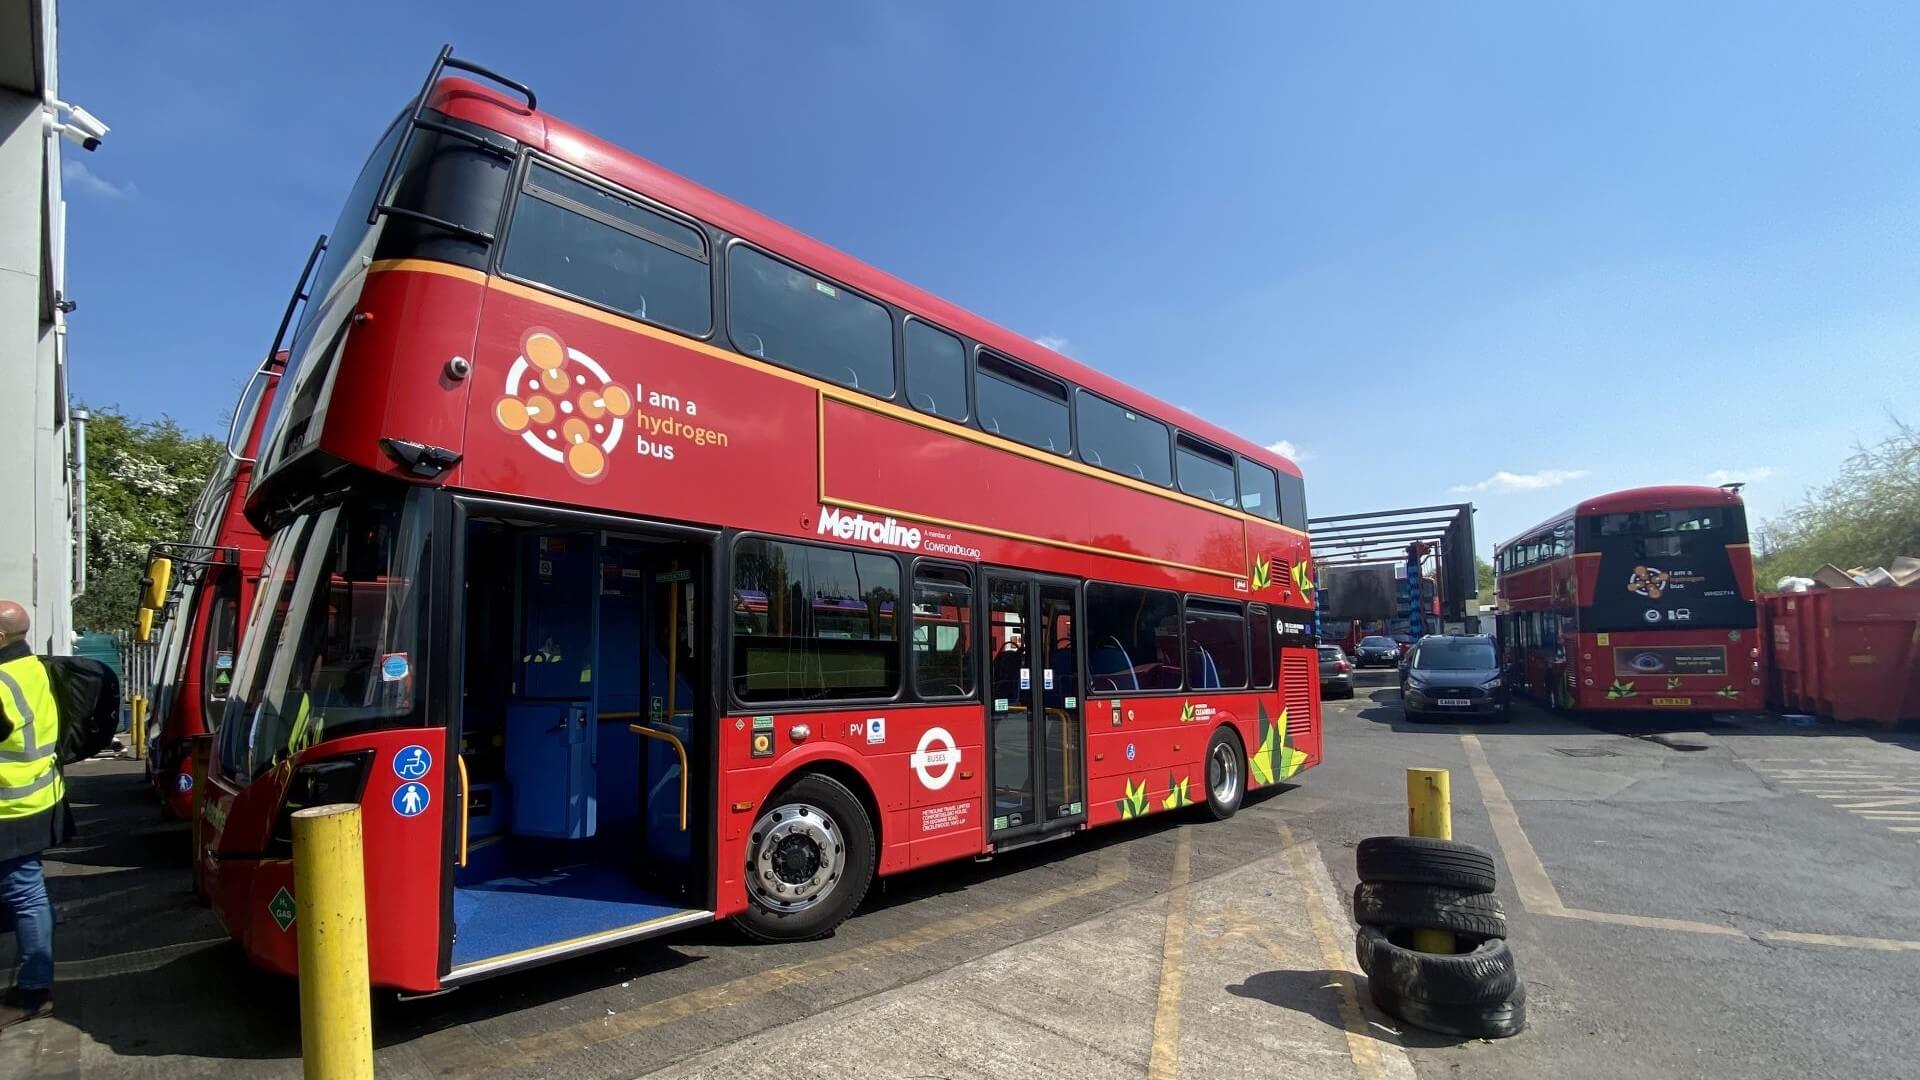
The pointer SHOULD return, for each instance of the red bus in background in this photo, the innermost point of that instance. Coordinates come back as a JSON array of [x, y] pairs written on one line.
[[638, 562], [1641, 599], [217, 571]]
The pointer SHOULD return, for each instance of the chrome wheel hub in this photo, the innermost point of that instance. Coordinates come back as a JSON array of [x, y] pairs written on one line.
[[1223, 774], [794, 858]]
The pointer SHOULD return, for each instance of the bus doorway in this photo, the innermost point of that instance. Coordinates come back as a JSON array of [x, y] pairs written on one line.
[[585, 742]]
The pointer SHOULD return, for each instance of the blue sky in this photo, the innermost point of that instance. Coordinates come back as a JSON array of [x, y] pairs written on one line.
[[1508, 253]]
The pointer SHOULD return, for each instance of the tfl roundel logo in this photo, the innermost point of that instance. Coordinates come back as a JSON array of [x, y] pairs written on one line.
[[562, 404]]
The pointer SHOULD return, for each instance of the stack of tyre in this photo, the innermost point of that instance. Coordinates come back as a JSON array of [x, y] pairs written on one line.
[[1412, 883]]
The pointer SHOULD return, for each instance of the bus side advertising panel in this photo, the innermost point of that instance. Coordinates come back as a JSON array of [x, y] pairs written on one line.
[[571, 404]]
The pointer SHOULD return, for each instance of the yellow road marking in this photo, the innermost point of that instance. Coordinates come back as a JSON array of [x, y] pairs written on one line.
[[1164, 1061], [464, 1051], [1323, 910], [1529, 874], [1538, 895]]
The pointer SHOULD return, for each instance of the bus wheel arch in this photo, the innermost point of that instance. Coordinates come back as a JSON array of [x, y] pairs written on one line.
[[1224, 768], [811, 854]]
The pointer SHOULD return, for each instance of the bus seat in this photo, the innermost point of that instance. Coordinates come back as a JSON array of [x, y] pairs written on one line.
[[1209, 675], [1110, 668], [1061, 663]]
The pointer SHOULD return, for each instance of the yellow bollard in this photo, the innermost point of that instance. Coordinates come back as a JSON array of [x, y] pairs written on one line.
[[330, 919], [1430, 813], [139, 731]]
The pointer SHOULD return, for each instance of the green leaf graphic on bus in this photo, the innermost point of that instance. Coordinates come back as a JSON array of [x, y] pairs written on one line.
[[1727, 692], [1620, 689], [1178, 793], [1276, 758], [1135, 804], [1262, 573], [1303, 578], [1673, 682], [1186, 712]]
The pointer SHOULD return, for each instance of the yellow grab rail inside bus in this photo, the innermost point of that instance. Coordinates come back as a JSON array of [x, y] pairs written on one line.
[[679, 749], [466, 808]]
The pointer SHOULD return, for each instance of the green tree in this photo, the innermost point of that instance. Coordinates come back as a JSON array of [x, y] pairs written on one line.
[[1483, 578], [1866, 516], [143, 477]]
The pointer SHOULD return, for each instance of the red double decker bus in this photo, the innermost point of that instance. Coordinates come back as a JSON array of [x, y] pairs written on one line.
[[637, 562], [215, 573], [1641, 599]]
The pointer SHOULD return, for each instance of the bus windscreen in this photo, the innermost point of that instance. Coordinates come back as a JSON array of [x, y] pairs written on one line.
[[1665, 569]]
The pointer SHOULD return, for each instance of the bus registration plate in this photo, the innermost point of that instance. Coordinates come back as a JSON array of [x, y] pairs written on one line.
[[1673, 701], [1459, 702]]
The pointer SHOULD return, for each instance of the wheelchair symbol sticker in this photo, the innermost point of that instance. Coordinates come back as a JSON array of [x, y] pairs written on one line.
[[411, 800], [412, 763]]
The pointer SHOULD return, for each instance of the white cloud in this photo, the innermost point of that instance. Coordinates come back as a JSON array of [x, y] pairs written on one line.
[[1055, 342], [76, 174], [1286, 449], [1728, 476], [1507, 482]]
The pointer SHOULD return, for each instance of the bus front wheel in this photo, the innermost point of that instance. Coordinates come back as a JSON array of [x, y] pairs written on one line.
[[810, 859]]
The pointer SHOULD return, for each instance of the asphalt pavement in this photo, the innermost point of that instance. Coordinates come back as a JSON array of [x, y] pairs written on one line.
[[1748, 907]]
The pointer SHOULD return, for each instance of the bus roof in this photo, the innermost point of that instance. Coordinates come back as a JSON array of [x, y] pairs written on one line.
[[1658, 497], [470, 101]]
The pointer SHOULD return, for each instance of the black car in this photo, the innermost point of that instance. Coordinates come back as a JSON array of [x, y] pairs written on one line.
[[1452, 675], [1336, 674], [1377, 651]]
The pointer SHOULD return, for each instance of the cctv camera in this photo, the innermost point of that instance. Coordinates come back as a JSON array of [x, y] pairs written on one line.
[[81, 127], [86, 122], [74, 134]]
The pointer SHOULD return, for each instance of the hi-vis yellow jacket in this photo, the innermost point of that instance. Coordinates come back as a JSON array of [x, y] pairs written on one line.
[[29, 778]]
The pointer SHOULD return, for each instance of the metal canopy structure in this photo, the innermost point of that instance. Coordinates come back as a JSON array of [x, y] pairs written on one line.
[[1444, 532]]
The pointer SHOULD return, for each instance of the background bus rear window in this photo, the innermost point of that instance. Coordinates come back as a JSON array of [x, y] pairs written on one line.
[[601, 248], [778, 313]]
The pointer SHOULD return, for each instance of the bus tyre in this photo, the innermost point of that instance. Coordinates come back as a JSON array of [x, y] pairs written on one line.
[[1226, 772], [1429, 907], [810, 859], [1483, 975], [1420, 860]]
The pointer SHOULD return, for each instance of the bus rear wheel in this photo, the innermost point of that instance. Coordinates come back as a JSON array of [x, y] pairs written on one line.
[[1226, 772], [809, 861]]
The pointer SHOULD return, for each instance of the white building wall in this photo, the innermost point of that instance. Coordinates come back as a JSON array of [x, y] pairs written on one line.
[[37, 544]]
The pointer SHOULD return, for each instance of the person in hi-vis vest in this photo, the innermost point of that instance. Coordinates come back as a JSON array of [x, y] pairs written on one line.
[[31, 791]]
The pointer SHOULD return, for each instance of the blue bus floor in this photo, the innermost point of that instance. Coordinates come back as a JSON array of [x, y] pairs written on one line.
[[515, 911]]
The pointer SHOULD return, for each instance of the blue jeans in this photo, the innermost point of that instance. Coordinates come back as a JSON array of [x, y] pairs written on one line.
[[23, 891]]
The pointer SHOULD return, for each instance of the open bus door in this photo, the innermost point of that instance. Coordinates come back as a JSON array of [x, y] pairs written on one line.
[[584, 739]]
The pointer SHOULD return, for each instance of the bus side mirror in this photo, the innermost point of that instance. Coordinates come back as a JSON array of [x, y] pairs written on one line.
[[153, 592], [143, 625]]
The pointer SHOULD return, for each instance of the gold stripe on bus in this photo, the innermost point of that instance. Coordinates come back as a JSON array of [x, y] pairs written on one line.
[[838, 393], [820, 408]]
